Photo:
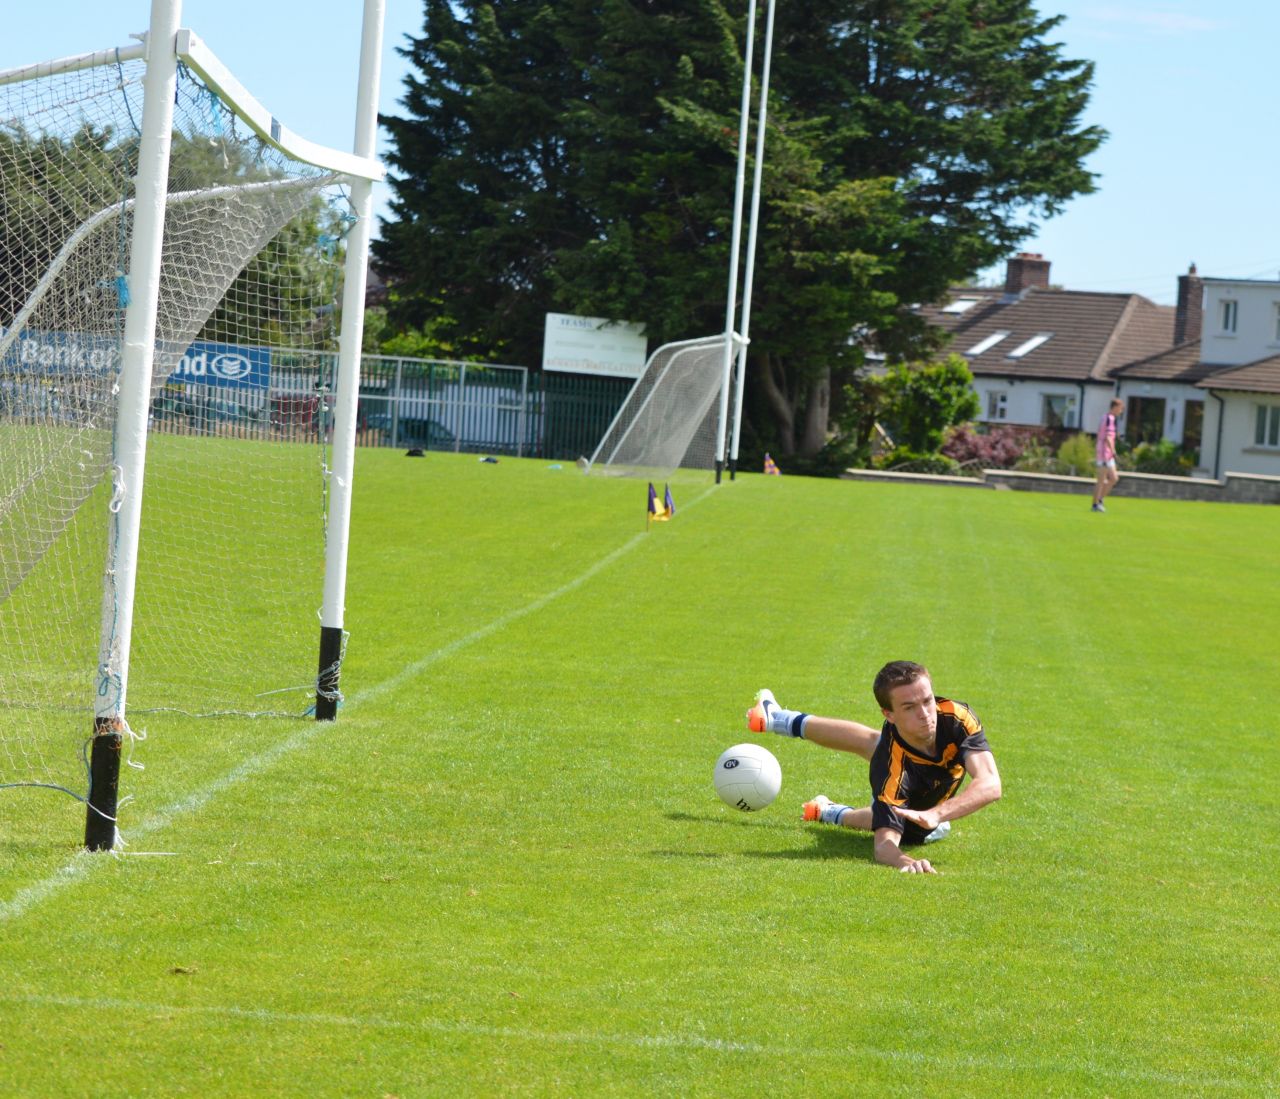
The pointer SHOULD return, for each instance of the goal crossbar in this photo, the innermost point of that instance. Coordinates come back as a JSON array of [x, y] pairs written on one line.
[[198, 57]]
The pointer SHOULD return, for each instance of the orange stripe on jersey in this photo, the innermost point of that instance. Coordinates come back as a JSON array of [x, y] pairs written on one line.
[[961, 713], [891, 792]]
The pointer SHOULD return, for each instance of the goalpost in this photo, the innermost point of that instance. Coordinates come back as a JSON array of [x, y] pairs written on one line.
[[173, 261], [672, 418]]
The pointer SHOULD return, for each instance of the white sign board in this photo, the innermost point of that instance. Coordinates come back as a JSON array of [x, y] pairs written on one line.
[[593, 345]]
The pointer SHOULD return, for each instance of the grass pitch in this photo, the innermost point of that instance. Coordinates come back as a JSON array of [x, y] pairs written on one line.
[[504, 870]]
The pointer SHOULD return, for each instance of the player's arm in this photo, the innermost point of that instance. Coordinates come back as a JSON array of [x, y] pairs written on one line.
[[842, 735], [889, 852], [983, 789]]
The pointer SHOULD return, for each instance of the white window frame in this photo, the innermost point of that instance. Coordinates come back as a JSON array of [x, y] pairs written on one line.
[[997, 404], [1229, 315], [1266, 426], [960, 305], [988, 342]]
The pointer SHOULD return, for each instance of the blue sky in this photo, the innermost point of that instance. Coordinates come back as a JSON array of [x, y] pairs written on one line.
[[300, 60], [1185, 88]]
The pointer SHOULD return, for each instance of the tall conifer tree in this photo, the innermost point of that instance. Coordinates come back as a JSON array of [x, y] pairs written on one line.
[[579, 156]]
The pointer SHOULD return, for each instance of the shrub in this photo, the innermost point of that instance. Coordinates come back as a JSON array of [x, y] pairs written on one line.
[[1076, 455], [905, 460], [1162, 457], [922, 400], [1037, 458], [996, 448]]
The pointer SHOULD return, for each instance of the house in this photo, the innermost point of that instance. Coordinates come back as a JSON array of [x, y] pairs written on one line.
[[1043, 356], [1159, 391], [1218, 388]]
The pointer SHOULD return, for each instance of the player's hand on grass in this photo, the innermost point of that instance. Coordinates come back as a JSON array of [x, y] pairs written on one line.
[[917, 866], [928, 819]]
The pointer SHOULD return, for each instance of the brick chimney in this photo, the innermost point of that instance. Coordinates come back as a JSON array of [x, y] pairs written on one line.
[[1189, 317], [1025, 270]]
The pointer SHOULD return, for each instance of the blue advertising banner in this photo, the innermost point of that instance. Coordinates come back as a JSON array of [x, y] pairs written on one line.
[[53, 354], [225, 365]]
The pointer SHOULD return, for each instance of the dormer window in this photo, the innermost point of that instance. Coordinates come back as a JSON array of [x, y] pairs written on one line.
[[988, 342], [1026, 348]]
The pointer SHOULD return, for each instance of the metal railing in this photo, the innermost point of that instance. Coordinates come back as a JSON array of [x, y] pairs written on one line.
[[408, 403]]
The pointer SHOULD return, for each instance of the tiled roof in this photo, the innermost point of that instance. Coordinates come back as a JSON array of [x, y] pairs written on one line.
[[1181, 364], [1092, 333], [1262, 376]]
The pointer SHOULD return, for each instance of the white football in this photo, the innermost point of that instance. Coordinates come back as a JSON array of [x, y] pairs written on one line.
[[747, 777]]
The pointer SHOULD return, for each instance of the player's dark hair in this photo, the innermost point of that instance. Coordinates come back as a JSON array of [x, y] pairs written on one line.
[[897, 673]]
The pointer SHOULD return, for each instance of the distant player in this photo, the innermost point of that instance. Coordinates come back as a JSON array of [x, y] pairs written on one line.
[[918, 760], [1105, 455]]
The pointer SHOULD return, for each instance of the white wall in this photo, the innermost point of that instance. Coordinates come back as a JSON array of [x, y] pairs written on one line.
[[1257, 322], [1239, 418], [1024, 402]]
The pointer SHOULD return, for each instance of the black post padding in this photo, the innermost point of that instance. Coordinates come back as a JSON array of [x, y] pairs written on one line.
[[104, 785], [327, 680], [733, 469], [719, 469]]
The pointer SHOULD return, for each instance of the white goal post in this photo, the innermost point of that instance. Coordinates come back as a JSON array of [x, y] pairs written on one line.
[[172, 263]]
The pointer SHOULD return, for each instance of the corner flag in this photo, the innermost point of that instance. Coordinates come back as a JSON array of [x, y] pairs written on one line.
[[661, 512]]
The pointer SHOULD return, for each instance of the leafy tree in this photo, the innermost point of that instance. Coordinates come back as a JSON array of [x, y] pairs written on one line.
[[923, 400], [579, 156]]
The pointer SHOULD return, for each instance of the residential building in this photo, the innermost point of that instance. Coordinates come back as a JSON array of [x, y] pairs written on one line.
[[1043, 356], [1219, 387]]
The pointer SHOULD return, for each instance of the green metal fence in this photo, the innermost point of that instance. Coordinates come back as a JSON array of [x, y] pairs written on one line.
[[483, 408], [409, 403]]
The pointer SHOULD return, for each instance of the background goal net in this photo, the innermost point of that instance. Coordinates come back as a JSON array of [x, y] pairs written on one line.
[[670, 418], [230, 559]]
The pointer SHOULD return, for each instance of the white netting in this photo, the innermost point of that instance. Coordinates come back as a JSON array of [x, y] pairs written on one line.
[[669, 419], [231, 553]]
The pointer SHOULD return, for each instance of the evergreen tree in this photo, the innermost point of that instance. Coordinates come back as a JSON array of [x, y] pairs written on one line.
[[579, 157]]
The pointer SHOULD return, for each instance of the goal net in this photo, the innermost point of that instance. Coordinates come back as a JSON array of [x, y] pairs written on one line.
[[670, 418], [230, 557]]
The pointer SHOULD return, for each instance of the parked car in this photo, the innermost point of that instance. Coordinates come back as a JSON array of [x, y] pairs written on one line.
[[430, 434]]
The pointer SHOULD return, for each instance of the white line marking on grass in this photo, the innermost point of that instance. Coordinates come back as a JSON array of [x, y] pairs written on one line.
[[84, 861], [954, 1061], [419, 666]]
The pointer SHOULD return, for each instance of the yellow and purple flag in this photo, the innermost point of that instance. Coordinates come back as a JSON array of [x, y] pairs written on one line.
[[771, 468], [663, 511]]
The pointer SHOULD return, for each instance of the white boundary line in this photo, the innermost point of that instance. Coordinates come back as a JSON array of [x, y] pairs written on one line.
[[669, 1040], [83, 862]]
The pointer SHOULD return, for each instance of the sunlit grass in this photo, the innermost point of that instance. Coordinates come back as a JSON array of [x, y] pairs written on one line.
[[504, 869]]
